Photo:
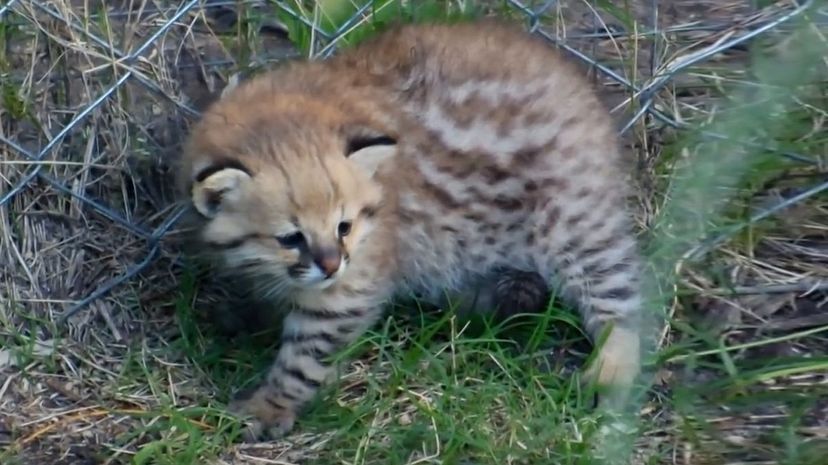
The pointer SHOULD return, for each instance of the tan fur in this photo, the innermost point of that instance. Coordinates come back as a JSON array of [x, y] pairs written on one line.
[[504, 159]]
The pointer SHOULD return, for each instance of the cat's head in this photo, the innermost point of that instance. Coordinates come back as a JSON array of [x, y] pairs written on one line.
[[286, 187]]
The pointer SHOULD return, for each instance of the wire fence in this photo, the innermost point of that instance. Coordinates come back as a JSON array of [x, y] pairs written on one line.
[[132, 64]]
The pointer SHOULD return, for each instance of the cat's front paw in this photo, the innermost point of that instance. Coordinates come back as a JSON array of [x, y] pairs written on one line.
[[268, 414]]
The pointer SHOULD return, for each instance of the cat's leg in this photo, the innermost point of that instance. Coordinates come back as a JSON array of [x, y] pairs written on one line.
[[601, 275], [504, 292], [232, 306], [516, 291], [301, 367]]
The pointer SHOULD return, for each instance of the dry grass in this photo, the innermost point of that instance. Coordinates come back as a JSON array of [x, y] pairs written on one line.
[[138, 377]]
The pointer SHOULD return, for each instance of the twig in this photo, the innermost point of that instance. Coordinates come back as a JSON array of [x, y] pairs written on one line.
[[750, 345], [805, 287]]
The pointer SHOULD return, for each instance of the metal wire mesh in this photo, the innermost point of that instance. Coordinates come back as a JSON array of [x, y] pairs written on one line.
[[129, 65]]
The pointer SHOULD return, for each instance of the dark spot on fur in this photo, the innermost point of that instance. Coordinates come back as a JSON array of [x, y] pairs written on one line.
[[620, 267], [325, 314], [295, 338], [347, 328], [516, 226], [410, 217], [476, 217], [493, 174], [574, 243], [290, 396], [440, 194], [526, 157], [570, 151], [557, 184], [553, 215], [313, 351], [584, 192], [605, 269], [534, 118], [490, 227], [299, 375], [574, 220], [618, 293], [457, 163], [507, 203], [570, 122], [599, 223], [463, 171]]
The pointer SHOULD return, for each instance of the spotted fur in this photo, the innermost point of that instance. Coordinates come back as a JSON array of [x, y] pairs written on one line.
[[429, 158]]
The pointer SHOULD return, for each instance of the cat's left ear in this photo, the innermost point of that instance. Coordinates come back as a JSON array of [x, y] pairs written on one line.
[[369, 149]]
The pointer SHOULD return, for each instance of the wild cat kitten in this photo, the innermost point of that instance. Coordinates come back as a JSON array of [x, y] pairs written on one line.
[[430, 158]]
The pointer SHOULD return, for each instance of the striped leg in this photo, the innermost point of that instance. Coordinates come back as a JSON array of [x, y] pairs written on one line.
[[604, 282], [300, 368]]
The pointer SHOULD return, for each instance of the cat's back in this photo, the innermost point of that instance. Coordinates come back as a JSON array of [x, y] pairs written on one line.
[[483, 90], [487, 49]]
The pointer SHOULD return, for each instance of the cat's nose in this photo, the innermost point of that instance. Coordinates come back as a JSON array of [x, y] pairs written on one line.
[[328, 261]]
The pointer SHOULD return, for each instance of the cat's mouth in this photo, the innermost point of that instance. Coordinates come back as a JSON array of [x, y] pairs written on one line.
[[315, 278], [319, 285]]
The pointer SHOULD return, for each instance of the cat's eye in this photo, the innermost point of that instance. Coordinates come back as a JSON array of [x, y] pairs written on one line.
[[344, 228], [291, 241]]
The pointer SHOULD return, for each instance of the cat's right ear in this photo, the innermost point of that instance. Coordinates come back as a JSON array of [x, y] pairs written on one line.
[[219, 186]]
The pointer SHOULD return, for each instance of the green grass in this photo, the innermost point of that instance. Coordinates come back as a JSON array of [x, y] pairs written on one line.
[[430, 385], [11, 98], [332, 16]]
